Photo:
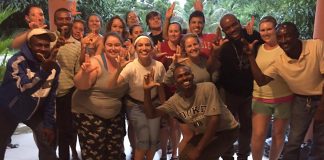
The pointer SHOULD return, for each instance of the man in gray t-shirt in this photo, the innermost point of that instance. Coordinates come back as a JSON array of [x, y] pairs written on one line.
[[199, 106]]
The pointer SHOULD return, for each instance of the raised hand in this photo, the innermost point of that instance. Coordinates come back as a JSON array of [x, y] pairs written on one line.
[[198, 6], [86, 66], [248, 48], [169, 12], [34, 25], [73, 9], [157, 51], [219, 40], [149, 80], [249, 26], [177, 57], [49, 63]]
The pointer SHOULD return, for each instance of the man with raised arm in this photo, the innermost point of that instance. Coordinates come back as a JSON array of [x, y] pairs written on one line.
[[199, 106], [302, 67], [28, 93]]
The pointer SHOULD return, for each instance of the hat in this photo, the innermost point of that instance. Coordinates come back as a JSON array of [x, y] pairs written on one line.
[[40, 31]]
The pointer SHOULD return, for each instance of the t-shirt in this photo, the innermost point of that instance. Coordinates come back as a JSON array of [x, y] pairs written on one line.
[[163, 59], [304, 75], [157, 38], [134, 73], [195, 109], [206, 41], [276, 88], [235, 74]]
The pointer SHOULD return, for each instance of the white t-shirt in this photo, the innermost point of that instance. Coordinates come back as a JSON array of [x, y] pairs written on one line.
[[134, 73]]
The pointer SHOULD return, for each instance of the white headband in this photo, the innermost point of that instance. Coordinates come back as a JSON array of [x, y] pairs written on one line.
[[141, 37]]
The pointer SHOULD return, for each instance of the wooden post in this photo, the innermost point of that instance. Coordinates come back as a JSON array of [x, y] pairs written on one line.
[[319, 22]]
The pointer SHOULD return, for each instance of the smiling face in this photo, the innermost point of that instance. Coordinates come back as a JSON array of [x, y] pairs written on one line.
[[288, 40], [174, 33], [155, 22], [40, 44], [196, 25], [183, 78], [113, 46], [63, 21], [144, 48], [117, 26], [192, 47], [94, 23], [132, 19], [268, 32], [136, 31], [35, 15], [231, 27], [77, 30]]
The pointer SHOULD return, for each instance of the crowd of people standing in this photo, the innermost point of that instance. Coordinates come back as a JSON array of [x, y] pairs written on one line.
[[213, 90]]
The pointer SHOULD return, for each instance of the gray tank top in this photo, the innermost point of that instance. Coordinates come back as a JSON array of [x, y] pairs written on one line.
[[99, 100]]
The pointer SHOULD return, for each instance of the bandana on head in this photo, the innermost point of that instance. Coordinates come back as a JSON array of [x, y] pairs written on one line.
[[141, 37]]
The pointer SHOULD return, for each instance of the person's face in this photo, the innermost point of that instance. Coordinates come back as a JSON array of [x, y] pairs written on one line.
[[196, 25], [94, 24], [287, 39], [132, 19], [155, 22], [174, 33], [192, 47], [35, 15], [231, 27], [63, 21], [117, 26], [113, 46], [77, 30], [267, 32], [138, 30], [40, 45], [183, 77], [143, 48]]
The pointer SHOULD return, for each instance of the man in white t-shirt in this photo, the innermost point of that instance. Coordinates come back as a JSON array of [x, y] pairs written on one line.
[[199, 106]]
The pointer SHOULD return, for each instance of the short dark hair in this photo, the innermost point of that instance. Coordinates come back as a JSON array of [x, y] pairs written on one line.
[[291, 26], [79, 21], [29, 7], [151, 15], [197, 14], [60, 10]]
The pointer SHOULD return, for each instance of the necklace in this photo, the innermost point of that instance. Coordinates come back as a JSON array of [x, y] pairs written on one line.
[[239, 58]]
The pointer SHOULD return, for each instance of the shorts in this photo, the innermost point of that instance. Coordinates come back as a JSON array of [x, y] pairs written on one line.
[[146, 130], [278, 110]]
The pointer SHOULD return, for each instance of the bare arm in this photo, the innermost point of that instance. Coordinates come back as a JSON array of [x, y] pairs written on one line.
[[87, 75], [212, 123], [149, 110], [19, 40], [168, 16]]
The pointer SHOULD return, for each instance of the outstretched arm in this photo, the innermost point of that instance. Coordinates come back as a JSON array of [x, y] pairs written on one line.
[[258, 75], [148, 84], [168, 16]]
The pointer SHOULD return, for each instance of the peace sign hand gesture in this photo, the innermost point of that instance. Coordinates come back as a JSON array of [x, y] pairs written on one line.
[[87, 67]]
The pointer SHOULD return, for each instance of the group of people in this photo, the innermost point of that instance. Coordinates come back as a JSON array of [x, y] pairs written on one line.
[[212, 90]]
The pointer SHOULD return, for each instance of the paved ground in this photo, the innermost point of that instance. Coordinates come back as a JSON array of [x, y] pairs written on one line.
[[27, 149]]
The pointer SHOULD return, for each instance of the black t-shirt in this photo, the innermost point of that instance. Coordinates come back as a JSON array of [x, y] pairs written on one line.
[[235, 72], [156, 38]]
